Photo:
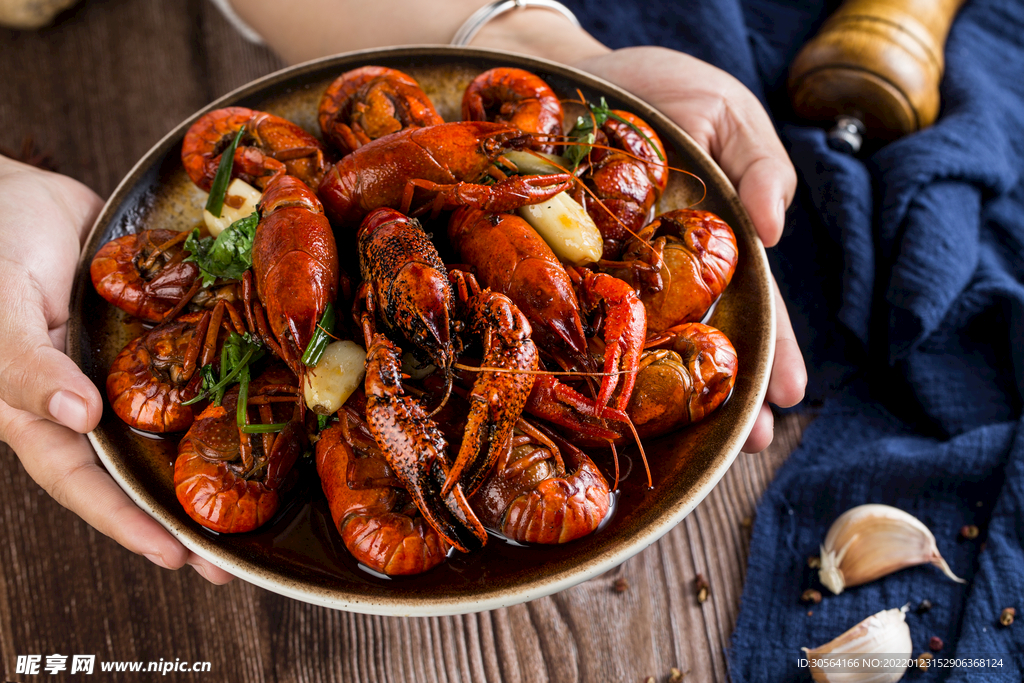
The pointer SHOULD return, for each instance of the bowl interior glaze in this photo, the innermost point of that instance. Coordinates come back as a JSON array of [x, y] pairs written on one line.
[[300, 554]]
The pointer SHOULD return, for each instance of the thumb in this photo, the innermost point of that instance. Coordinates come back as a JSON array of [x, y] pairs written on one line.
[[43, 381], [43, 219], [34, 376]]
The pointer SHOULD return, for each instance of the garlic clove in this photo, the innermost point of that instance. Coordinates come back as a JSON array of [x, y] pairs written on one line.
[[567, 228], [885, 633], [339, 373], [240, 194], [871, 541]]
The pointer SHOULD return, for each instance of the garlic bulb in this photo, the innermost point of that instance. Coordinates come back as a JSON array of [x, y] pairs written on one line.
[[871, 541], [885, 633]]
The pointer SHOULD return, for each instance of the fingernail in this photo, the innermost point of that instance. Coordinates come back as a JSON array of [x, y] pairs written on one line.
[[201, 571], [156, 559], [70, 410]]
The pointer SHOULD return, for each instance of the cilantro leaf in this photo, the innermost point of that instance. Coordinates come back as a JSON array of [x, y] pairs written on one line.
[[584, 132], [227, 256]]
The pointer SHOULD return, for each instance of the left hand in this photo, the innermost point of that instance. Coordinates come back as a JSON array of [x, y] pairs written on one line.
[[46, 403]]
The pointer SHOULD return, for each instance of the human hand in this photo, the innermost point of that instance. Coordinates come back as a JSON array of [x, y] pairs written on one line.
[[725, 119], [46, 403]]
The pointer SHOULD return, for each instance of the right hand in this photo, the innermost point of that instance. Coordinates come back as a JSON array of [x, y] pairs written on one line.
[[728, 122], [46, 403]]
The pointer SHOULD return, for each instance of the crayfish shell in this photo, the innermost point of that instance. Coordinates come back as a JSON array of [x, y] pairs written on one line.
[[686, 383]]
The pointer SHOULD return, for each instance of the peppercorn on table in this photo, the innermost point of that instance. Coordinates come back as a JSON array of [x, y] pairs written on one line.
[[76, 97]]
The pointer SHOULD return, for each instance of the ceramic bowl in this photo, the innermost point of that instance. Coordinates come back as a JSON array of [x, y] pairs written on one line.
[[299, 553]]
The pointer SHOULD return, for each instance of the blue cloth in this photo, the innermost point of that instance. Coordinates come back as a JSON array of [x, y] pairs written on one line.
[[903, 273]]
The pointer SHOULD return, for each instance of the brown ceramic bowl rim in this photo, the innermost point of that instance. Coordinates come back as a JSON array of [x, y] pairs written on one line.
[[540, 586]]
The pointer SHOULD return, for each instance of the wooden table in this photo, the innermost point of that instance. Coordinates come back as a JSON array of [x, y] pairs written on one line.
[[95, 92]]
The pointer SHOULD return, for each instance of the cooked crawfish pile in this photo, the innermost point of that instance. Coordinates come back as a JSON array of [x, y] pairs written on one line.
[[444, 381]]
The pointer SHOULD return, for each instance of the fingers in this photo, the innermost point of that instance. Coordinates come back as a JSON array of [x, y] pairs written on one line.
[[40, 235], [789, 374], [761, 435], [44, 218], [765, 189], [209, 571], [753, 157], [787, 382]]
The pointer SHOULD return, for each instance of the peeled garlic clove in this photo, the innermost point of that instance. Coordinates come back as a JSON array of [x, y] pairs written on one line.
[[536, 163], [871, 541], [336, 377], [567, 228], [241, 193], [885, 633]]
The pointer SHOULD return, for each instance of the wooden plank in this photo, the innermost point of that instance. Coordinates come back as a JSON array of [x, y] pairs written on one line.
[[97, 91]]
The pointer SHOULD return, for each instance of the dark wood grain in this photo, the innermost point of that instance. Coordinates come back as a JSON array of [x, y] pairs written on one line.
[[95, 92]]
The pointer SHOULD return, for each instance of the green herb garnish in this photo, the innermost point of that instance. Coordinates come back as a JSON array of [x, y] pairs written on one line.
[[263, 429], [242, 409], [321, 338], [219, 187], [238, 353], [584, 132], [227, 256], [321, 421]]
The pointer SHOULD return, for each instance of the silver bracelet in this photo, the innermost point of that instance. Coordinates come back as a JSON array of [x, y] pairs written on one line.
[[480, 17], [248, 32]]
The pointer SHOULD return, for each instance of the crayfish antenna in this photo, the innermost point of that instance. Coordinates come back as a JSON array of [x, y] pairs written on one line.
[[615, 459], [444, 400], [161, 248], [643, 455]]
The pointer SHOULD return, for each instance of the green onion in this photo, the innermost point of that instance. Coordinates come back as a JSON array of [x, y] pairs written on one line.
[[219, 188], [322, 420], [321, 338], [264, 429], [243, 396], [250, 356], [225, 363]]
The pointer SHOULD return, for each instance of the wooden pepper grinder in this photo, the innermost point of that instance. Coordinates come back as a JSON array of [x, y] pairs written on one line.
[[874, 69]]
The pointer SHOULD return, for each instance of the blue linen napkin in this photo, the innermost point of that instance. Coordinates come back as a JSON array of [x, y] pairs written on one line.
[[904, 275]]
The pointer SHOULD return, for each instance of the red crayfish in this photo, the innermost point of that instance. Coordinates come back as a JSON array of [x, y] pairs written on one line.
[[226, 479], [370, 102], [377, 519], [270, 147], [446, 163]]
